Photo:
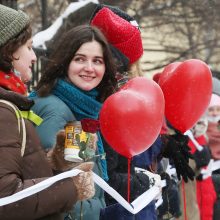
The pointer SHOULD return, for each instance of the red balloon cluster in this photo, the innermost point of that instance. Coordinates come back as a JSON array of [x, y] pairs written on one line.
[[131, 119], [187, 89]]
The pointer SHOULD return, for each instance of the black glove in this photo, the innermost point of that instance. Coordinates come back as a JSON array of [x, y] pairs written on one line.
[[183, 141], [176, 149], [202, 157]]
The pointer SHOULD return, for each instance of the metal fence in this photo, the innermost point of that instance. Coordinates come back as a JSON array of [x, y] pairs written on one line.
[[37, 67], [10, 3]]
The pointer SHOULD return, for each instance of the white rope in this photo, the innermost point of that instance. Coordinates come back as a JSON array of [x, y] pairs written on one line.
[[38, 187], [137, 205], [212, 166], [190, 135]]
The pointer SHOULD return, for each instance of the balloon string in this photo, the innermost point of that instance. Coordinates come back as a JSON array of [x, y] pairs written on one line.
[[129, 176], [184, 200]]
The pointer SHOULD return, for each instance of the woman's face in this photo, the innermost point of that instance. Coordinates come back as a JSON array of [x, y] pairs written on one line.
[[87, 67], [214, 111], [213, 114], [24, 57]]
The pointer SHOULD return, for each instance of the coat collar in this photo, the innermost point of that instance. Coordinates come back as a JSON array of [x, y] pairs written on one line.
[[21, 101]]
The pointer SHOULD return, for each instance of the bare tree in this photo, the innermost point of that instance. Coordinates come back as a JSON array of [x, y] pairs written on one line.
[[172, 30], [179, 30]]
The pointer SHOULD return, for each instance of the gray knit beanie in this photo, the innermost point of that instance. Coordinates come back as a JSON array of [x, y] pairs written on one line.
[[12, 22]]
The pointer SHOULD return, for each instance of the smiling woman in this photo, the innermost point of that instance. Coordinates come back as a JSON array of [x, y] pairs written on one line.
[[79, 76], [87, 67]]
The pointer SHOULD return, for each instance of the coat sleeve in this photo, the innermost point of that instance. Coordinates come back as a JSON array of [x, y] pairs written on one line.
[[55, 115], [57, 198], [145, 159]]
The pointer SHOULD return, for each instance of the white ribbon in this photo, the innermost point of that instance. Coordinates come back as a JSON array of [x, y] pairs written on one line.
[[190, 135], [137, 205], [212, 166], [38, 187], [170, 170], [143, 200], [159, 198], [159, 202]]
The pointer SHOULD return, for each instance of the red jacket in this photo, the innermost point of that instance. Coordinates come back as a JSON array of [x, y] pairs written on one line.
[[206, 195]]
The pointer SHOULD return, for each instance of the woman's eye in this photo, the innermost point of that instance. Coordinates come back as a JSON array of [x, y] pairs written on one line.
[[78, 59], [30, 47], [98, 61]]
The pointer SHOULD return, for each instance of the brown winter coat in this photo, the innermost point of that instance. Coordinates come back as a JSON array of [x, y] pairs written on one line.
[[17, 173]]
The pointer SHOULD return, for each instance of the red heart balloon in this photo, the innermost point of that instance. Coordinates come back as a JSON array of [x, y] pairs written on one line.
[[167, 72], [131, 119], [187, 92]]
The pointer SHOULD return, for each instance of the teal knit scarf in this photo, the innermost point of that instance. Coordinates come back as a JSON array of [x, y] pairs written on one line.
[[83, 104]]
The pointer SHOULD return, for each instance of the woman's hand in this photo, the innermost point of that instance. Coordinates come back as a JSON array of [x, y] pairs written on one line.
[[84, 181], [56, 155]]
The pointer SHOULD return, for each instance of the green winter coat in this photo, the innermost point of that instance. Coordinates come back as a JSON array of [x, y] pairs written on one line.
[[56, 114]]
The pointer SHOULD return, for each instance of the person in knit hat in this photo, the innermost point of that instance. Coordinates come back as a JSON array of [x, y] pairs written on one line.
[[123, 33], [195, 191], [206, 134], [124, 36], [213, 112], [23, 162], [15, 47], [213, 132]]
